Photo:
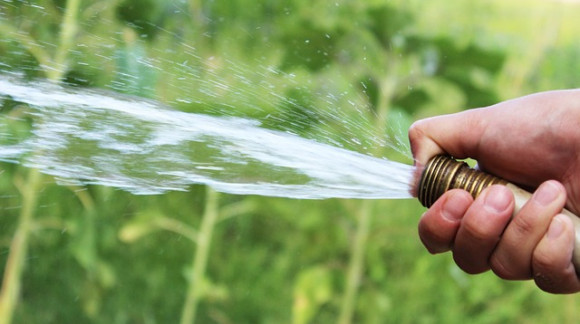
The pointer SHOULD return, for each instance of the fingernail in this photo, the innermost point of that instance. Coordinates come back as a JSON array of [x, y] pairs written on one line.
[[454, 207], [547, 193], [497, 199], [556, 228]]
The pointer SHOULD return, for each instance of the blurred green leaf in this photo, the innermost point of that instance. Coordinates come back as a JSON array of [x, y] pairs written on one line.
[[84, 243], [136, 75], [313, 288]]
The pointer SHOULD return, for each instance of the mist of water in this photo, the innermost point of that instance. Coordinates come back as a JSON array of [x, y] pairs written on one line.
[[92, 137]]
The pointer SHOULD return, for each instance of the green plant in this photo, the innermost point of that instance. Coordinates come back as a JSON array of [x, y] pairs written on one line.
[[351, 74]]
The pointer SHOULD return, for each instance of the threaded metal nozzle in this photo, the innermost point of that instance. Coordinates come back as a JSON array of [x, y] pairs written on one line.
[[443, 173]]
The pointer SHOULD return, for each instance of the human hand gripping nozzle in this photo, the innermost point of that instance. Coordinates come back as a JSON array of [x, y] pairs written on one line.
[[443, 173]]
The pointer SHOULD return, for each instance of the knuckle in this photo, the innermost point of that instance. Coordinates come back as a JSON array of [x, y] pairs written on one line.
[[416, 133], [546, 282], [500, 267], [416, 129], [468, 265], [476, 232], [524, 224], [428, 232], [433, 248], [542, 260], [435, 241], [557, 281]]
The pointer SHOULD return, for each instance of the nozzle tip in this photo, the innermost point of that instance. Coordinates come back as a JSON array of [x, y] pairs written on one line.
[[417, 174]]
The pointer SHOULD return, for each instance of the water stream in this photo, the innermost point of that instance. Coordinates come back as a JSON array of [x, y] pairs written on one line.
[[84, 136]]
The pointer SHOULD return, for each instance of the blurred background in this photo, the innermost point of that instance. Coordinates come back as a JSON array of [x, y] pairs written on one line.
[[95, 254]]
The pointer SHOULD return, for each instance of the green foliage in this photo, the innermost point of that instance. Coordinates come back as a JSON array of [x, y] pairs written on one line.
[[312, 289], [349, 73]]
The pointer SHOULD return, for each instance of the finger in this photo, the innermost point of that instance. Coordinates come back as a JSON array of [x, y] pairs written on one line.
[[552, 265], [456, 134], [481, 229], [438, 226], [513, 256]]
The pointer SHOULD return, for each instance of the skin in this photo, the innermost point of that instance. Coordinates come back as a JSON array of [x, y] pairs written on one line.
[[533, 141]]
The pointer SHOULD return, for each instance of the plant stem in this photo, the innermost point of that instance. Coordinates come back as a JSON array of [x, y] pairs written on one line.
[[364, 217], [15, 264], [35, 49], [68, 32], [11, 282], [195, 286], [196, 12], [355, 268]]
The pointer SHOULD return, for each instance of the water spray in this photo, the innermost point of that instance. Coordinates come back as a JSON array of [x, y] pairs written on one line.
[[443, 173]]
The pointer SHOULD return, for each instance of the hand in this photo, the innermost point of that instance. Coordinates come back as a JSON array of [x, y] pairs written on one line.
[[526, 141]]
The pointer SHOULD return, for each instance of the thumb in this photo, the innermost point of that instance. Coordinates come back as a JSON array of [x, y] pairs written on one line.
[[456, 134]]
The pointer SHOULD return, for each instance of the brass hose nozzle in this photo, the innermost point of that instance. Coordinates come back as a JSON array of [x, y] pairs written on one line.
[[443, 173]]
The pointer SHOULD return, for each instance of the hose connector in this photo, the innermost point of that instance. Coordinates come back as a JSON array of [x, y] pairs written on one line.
[[443, 173]]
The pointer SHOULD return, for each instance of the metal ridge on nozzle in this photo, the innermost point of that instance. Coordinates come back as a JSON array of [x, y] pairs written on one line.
[[443, 173]]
